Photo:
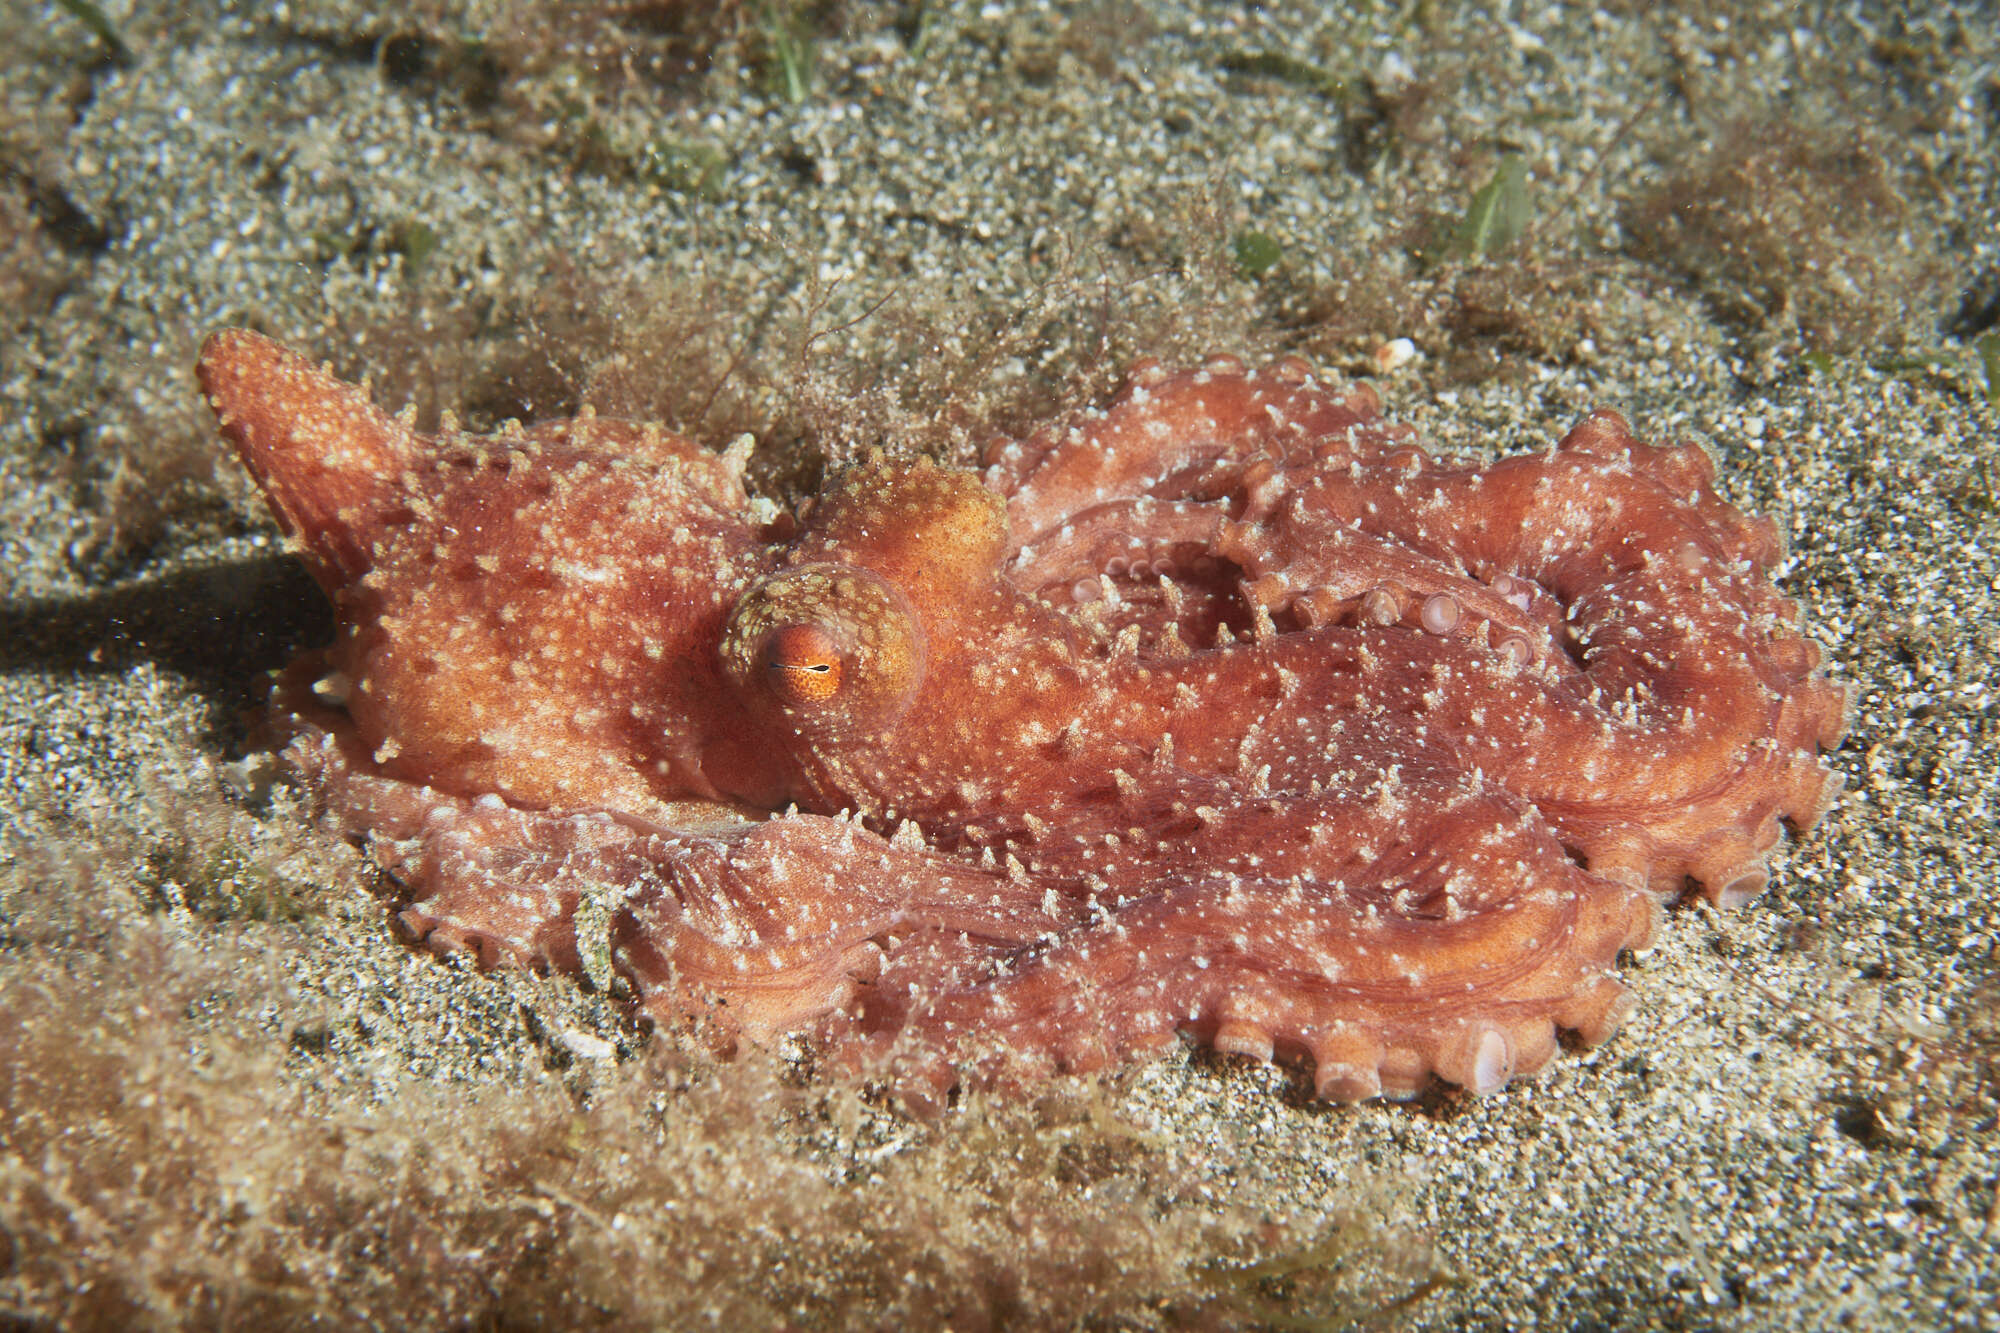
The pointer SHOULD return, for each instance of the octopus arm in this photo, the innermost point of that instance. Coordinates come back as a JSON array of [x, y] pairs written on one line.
[[1663, 667], [1115, 537], [770, 927], [1458, 950], [766, 925], [474, 876], [1167, 435]]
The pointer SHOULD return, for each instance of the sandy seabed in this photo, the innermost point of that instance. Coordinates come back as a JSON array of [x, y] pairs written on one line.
[[230, 1098]]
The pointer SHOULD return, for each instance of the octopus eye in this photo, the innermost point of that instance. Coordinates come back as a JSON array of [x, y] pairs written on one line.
[[835, 648], [804, 664]]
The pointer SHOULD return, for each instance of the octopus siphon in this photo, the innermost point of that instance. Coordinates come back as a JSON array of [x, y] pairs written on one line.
[[1224, 711]]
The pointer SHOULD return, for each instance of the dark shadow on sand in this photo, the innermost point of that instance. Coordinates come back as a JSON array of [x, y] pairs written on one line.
[[221, 627]]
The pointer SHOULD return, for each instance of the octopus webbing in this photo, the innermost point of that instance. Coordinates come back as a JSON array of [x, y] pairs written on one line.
[[1223, 711]]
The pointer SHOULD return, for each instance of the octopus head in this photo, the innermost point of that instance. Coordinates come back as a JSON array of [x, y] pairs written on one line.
[[834, 649]]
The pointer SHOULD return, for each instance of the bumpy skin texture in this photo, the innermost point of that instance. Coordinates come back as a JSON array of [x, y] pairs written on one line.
[[1225, 710]]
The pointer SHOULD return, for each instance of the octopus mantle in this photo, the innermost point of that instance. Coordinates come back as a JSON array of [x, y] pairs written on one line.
[[1225, 710]]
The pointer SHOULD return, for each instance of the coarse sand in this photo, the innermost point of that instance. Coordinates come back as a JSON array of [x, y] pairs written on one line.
[[229, 1097]]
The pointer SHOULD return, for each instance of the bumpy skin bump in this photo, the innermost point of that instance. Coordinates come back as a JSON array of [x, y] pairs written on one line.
[[1224, 711]]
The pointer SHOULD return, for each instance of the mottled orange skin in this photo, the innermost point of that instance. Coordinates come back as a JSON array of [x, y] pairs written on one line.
[[1223, 711]]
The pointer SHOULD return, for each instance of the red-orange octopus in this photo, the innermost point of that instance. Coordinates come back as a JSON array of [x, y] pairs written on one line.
[[1225, 710]]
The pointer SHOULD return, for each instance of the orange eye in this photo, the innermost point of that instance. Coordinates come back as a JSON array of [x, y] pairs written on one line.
[[804, 664]]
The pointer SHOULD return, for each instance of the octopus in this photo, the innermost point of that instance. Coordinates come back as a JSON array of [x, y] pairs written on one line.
[[1222, 712]]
